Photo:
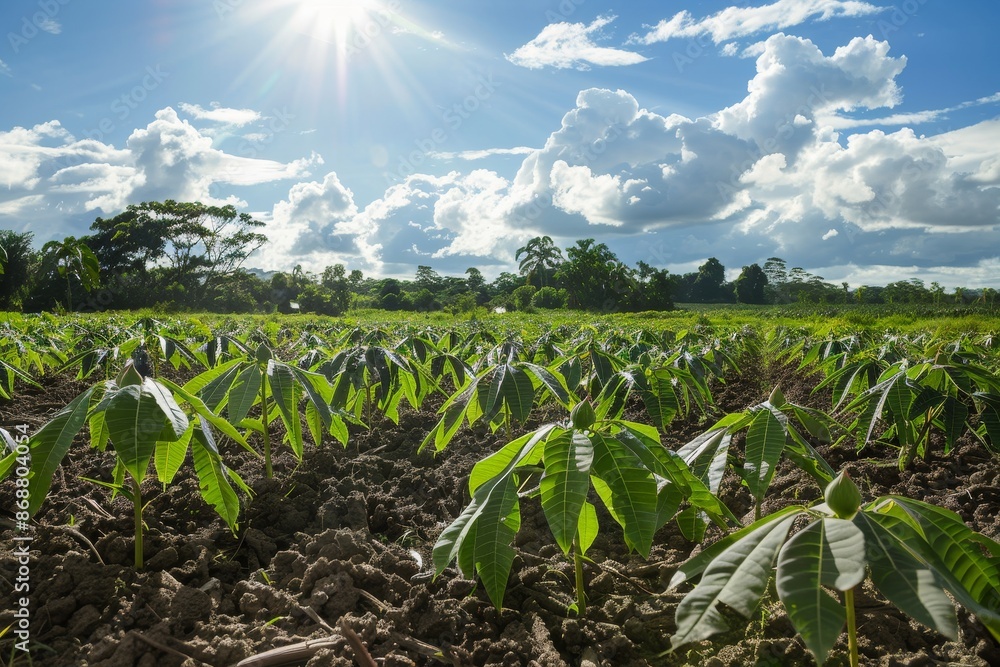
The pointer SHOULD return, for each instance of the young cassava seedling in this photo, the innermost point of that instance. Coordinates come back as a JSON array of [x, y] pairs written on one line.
[[640, 482], [911, 551], [143, 422]]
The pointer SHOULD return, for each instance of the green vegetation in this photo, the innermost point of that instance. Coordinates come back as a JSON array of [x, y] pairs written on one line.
[[912, 551], [189, 256], [599, 399]]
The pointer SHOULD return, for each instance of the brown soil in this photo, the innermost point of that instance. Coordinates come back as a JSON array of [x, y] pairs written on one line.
[[344, 539]]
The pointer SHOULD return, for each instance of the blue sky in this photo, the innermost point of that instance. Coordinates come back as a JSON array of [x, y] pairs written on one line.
[[859, 140]]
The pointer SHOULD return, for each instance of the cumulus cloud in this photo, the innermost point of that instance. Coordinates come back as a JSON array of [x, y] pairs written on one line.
[[220, 114], [572, 45], [450, 222], [735, 22], [768, 175], [55, 183]]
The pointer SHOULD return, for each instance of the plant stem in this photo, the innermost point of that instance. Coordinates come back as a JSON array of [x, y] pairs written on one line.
[[911, 452], [268, 470], [852, 629], [137, 503], [581, 596]]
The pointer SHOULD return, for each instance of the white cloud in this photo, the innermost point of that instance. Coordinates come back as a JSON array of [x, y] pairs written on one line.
[[572, 45], [735, 22], [839, 122], [220, 114], [482, 153], [55, 182], [5, 69]]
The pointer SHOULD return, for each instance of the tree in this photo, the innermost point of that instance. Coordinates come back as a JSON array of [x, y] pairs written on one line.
[[653, 289], [594, 277], [776, 271], [14, 278], [750, 285], [193, 245], [336, 281], [73, 259], [708, 285], [475, 281], [428, 279], [540, 255]]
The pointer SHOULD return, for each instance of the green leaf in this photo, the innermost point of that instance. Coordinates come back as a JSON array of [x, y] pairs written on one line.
[[213, 385], [955, 551], [522, 449], [134, 421], [706, 456], [667, 405], [244, 391], [764, 444], [452, 541], [213, 480], [953, 419], [905, 581], [633, 491], [495, 530], [815, 423], [176, 419], [518, 393], [556, 384], [454, 411], [282, 385], [169, 456], [828, 552], [215, 420], [736, 576], [588, 528], [50, 444], [99, 436], [569, 456]]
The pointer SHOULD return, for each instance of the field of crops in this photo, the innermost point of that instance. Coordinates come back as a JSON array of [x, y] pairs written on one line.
[[737, 487]]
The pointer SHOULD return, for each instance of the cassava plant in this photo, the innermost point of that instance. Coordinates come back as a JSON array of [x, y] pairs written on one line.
[[774, 428], [911, 552], [499, 395], [641, 483], [257, 377], [143, 422], [912, 400]]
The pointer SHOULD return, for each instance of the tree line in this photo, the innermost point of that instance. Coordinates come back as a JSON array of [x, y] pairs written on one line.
[[190, 256]]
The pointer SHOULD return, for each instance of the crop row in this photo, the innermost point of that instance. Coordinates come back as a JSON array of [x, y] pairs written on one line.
[[613, 394]]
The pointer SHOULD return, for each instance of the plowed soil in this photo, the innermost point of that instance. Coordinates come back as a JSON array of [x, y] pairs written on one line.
[[338, 547]]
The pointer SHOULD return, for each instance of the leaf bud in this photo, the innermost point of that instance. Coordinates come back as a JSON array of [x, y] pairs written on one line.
[[842, 496], [777, 399], [263, 353], [583, 415], [129, 375]]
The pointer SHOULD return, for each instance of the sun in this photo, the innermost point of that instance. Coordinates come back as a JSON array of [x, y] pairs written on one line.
[[333, 22]]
